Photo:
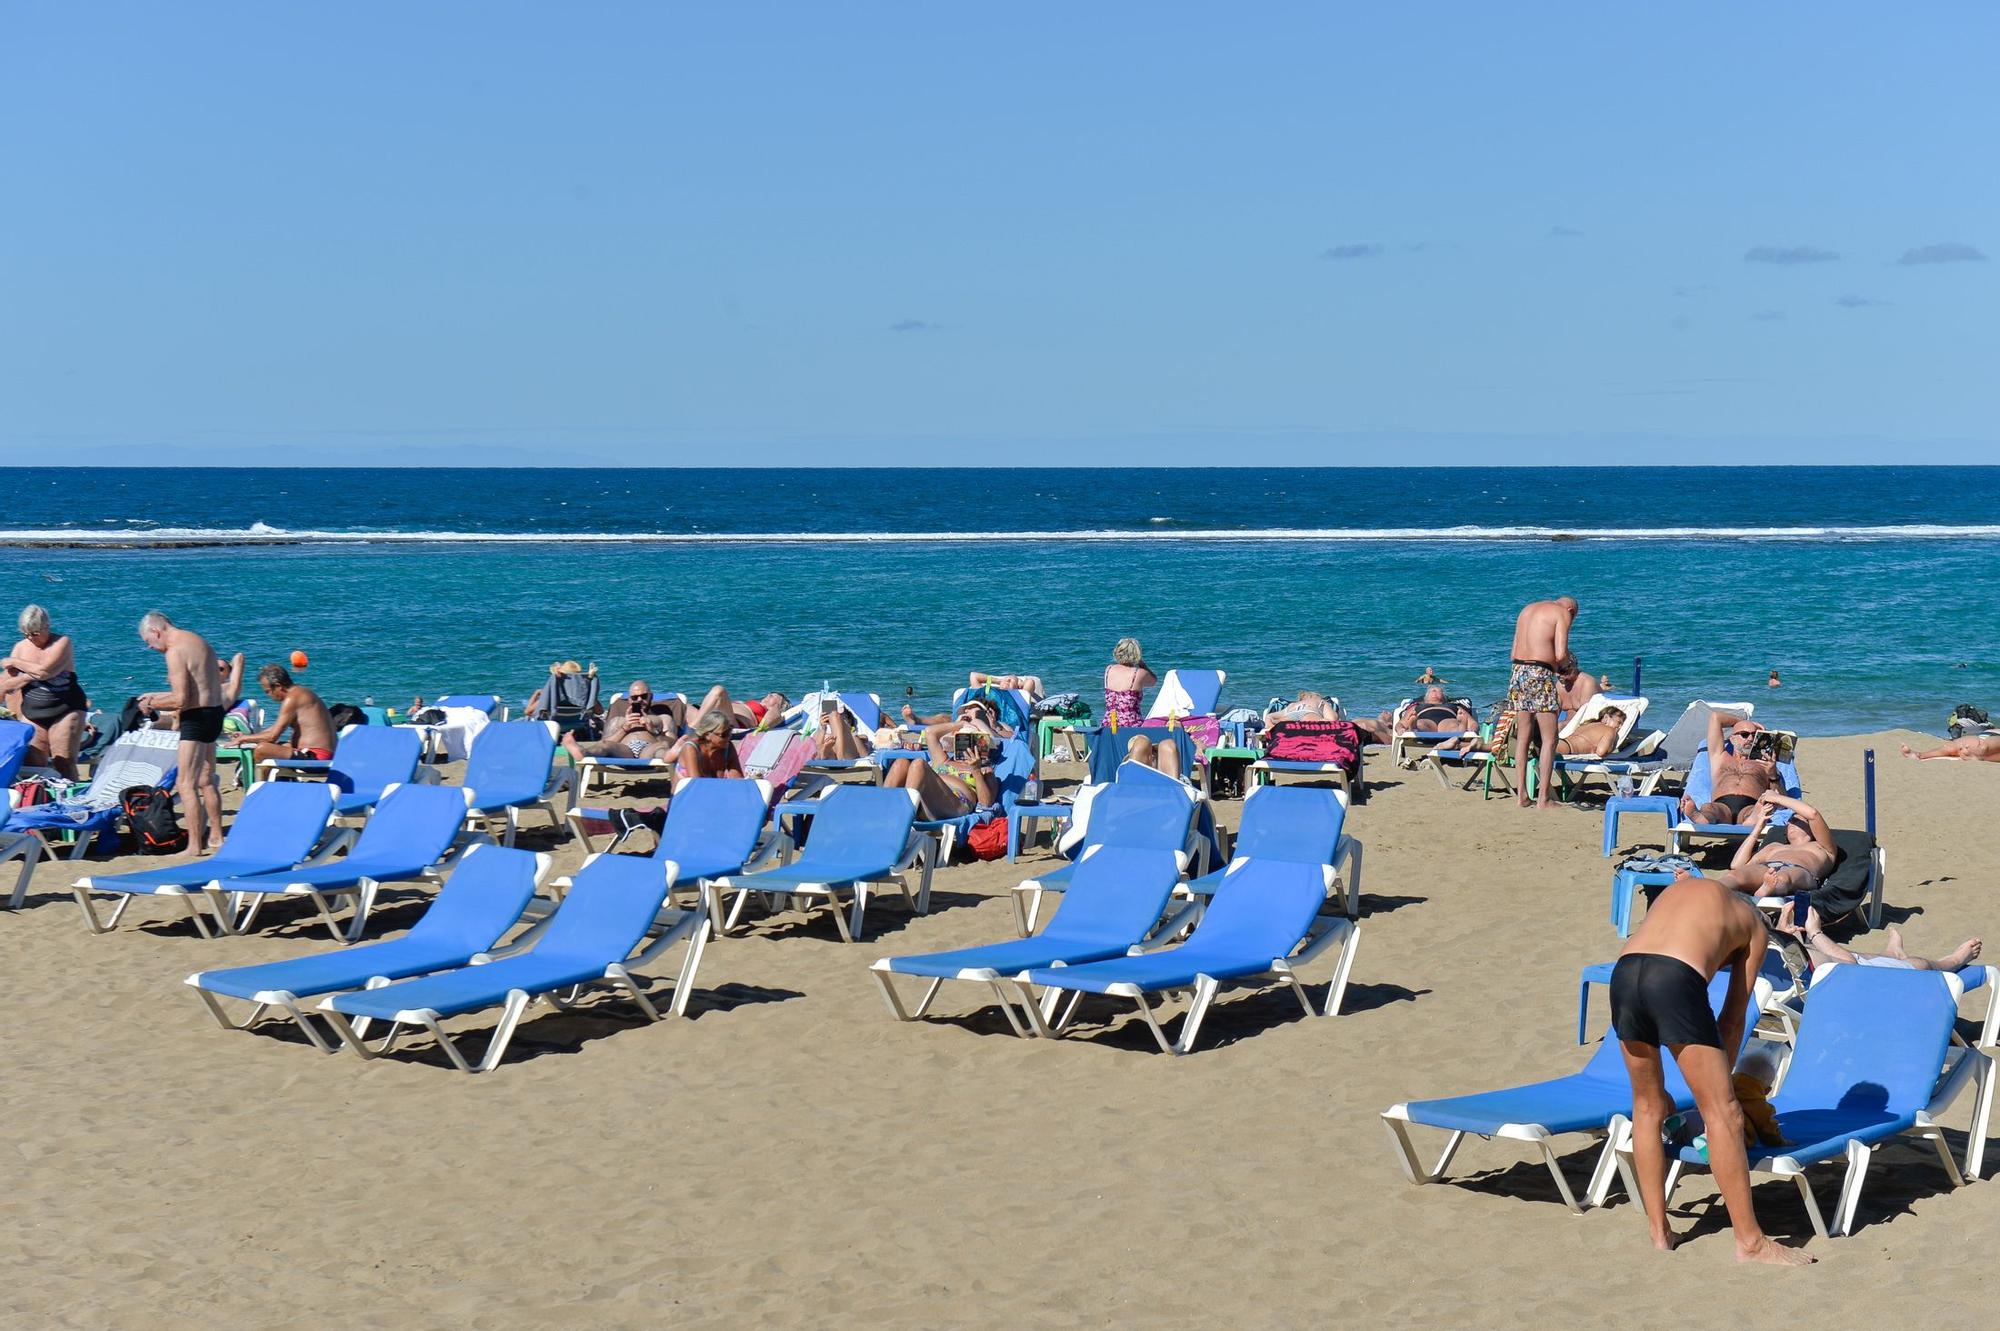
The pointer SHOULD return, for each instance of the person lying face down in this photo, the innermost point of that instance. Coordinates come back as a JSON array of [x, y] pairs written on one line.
[[1740, 767], [1778, 860]]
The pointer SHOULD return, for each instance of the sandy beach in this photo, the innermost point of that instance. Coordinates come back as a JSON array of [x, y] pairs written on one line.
[[789, 1155]]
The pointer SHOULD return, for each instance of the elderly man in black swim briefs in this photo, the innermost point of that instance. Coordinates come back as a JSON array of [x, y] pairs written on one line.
[[195, 692], [1740, 770], [1541, 641], [1659, 999]]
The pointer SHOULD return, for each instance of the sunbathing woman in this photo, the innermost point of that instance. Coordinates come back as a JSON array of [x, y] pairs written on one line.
[[763, 714], [708, 749], [1592, 739], [1126, 680], [1776, 861], [1978, 748], [1308, 706], [952, 781], [1894, 958], [1164, 756]]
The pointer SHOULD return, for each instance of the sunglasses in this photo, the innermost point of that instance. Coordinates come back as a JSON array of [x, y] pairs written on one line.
[[639, 697]]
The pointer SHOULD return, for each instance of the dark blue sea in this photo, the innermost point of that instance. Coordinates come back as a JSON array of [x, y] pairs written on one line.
[[1873, 591]]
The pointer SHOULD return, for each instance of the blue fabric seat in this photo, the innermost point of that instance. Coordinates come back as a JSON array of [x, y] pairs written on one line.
[[511, 768], [274, 831], [1114, 901], [591, 938], [861, 838], [1264, 919], [485, 896]]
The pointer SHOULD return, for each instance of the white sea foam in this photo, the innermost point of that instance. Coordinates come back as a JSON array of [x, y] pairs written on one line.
[[260, 533]]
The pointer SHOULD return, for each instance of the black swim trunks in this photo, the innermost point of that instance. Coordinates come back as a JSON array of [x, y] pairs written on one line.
[[1661, 1001], [1736, 804], [202, 725]]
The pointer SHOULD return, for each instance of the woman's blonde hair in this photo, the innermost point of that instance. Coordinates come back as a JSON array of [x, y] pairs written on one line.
[[710, 723], [34, 621], [1127, 652]]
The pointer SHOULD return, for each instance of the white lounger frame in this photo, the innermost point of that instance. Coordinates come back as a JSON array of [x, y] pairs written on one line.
[[267, 999], [919, 852], [690, 927]]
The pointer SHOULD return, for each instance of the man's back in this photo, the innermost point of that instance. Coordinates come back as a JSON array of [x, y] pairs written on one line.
[[1535, 632], [1700, 922], [190, 658]]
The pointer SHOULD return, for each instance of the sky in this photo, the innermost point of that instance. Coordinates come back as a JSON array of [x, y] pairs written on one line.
[[1314, 234]]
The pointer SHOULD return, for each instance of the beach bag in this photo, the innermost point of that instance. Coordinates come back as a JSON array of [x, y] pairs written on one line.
[[428, 716], [30, 792], [1314, 742], [987, 841], [345, 714], [149, 812], [1203, 734]]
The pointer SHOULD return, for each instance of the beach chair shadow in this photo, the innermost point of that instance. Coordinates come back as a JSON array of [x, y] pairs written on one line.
[[1378, 903]]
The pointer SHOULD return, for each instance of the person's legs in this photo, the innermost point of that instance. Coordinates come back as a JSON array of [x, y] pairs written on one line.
[[1650, 1106], [717, 697], [272, 749], [64, 738], [1707, 1072], [1545, 729], [1167, 757], [190, 784], [211, 792]]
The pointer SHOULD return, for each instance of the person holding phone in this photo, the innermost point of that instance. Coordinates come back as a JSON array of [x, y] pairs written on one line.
[[956, 775], [637, 726], [1782, 859], [1825, 950]]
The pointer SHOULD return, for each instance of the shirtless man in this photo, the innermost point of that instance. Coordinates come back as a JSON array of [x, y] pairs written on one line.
[[1736, 778], [1541, 641], [1434, 714], [1976, 748], [1659, 999], [1825, 950], [194, 693], [1781, 860], [300, 711], [632, 729]]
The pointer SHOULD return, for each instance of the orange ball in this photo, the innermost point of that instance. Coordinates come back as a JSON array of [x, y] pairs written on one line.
[[300, 661]]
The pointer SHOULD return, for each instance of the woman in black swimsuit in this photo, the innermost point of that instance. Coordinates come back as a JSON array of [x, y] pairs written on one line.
[[39, 680]]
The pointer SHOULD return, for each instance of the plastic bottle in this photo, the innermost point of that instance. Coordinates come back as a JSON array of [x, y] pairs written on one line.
[[1700, 1145]]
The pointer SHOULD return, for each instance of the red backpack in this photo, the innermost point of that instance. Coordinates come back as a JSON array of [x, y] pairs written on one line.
[[988, 840]]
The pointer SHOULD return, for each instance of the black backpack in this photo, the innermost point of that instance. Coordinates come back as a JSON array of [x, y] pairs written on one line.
[[149, 812], [345, 714]]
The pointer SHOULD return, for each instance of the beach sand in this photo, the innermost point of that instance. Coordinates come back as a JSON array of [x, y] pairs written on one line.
[[791, 1156]]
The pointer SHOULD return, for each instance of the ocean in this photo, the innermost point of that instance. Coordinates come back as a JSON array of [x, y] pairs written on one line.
[[1874, 591]]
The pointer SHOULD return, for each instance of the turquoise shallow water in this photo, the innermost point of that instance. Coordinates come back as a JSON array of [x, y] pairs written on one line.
[[1867, 626]]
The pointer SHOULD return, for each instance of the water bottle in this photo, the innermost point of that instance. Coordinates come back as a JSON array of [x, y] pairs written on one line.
[[1625, 787], [1701, 1147]]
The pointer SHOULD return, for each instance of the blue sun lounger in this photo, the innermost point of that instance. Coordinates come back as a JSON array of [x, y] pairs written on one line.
[[485, 896], [366, 761], [1700, 789], [713, 828], [862, 837], [1265, 919], [512, 768], [610, 909], [135, 758], [278, 828], [1114, 901], [1298, 823], [410, 835], [1873, 1060], [1594, 1099], [1138, 816]]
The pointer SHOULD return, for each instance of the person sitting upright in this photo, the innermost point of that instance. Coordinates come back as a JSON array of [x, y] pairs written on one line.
[[956, 776], [1741, 766], [299, 711], [708, 749], [1574, 687], [634, 727], [1780, 859], [1126, 680]]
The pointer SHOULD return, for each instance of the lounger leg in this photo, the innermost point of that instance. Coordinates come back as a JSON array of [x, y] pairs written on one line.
[[894, 999], [1027, 904], [1606, 1169], [1812, 1204], [1033, 1010], [1555, 1172], [1406, 1151], [1006, 1006], [1204, 994], [1936, 1136], [1153, 1025], [849, 931], [29, 851], [1353, 876], [619, 975], [96, 926], [503, 1034]]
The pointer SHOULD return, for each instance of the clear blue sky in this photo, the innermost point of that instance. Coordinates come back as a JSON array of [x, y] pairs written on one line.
[[1310, 233]]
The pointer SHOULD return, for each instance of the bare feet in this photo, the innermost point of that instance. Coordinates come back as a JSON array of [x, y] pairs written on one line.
[[1689, 809], [1773, 1254], [1894, 938], [1666, 1240], [1961, 956], [1908, 752]]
